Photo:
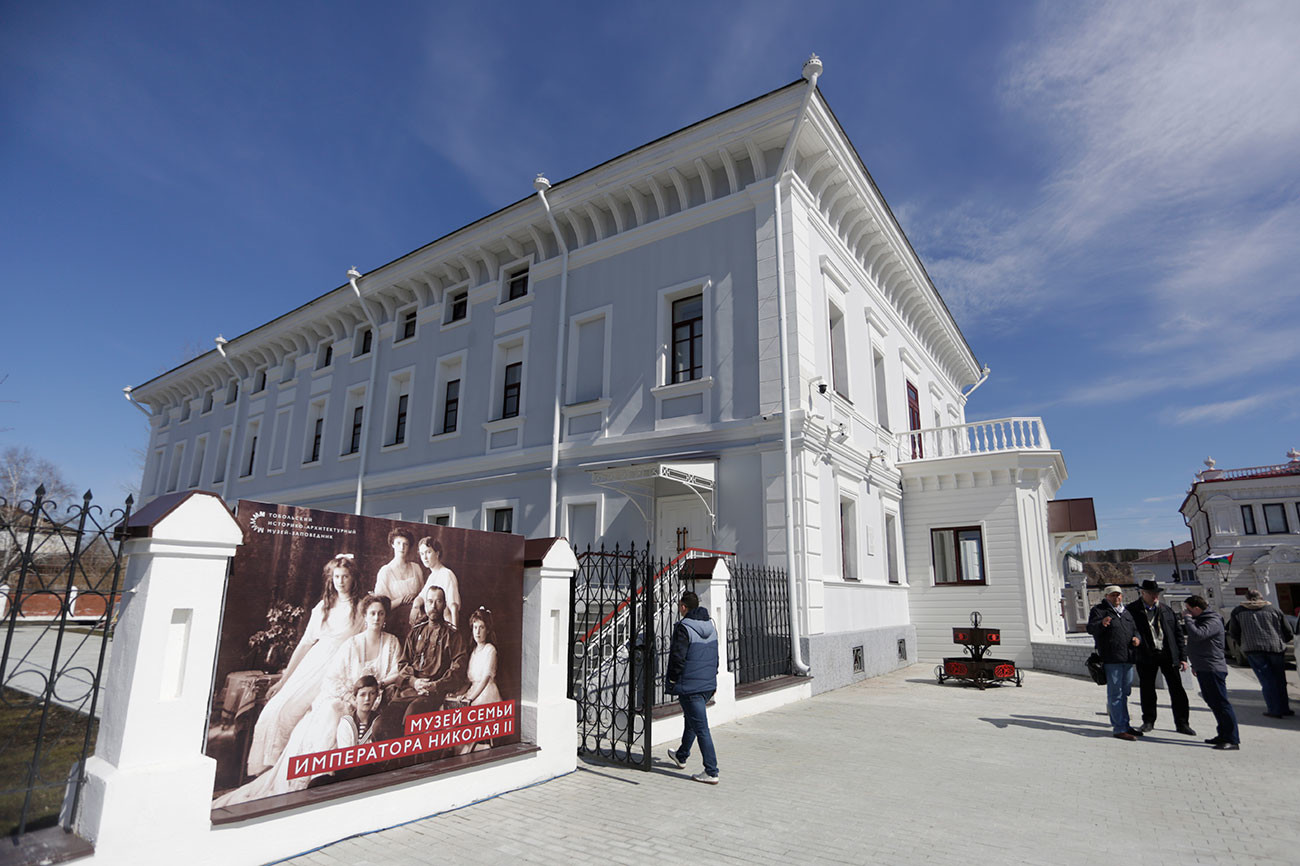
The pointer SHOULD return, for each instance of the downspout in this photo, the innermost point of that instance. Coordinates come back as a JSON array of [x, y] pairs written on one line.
[[234, 422], [812, 70], [541, 184], [984, 374], [353, 276], [126, 392]]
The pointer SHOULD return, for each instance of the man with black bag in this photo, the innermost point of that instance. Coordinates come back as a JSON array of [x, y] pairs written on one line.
[[1160, 651], [1115, 633]]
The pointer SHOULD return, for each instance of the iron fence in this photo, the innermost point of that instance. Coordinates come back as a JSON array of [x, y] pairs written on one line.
[[758, 623], [60, 572]]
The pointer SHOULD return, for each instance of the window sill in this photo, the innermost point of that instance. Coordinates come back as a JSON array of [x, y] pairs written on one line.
[[405, 340], [680, 389], [961, 583], [311, 464], [503, 424], [587, 407], [455, 323], [450, 434], [363, 357], [351, 455], [507, 306], [392, 446]]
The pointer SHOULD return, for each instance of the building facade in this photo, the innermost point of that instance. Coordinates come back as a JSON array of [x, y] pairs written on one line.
[[1253, 514], [630, 355]]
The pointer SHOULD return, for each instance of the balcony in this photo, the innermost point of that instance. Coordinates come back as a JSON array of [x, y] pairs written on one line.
[[981, 437]]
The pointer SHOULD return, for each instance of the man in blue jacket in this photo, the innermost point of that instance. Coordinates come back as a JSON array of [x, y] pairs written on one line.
[[693, 677]]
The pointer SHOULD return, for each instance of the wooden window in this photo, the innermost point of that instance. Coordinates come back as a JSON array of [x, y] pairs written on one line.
[[317, 430], [517, 285], [1275, 518], [958, 555], [399, 423], [451, 406], [1248, 520], [688, 339], [503, 520], [457, 306], [510, 390], [407, 329], [365, 342], [354, 441]]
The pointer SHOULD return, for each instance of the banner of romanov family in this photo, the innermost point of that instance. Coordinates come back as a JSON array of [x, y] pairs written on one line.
[[352, 646]]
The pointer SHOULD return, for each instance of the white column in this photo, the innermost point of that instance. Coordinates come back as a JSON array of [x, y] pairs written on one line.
[[547, 716], [148, 794]]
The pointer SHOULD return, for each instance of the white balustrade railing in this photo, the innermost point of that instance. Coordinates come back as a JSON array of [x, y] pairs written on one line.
[[980, 437]]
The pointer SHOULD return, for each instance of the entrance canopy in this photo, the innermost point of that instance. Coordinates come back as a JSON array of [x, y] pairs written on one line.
[[642, 483]]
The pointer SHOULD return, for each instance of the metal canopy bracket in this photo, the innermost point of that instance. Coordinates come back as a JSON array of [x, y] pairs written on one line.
[[645, 481]]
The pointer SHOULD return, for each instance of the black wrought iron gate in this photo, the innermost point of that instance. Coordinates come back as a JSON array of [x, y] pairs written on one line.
[[621, 618], [60, 573]]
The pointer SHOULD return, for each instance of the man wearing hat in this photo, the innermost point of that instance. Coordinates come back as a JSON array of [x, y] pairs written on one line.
[[1115, 633], [1160, 651]]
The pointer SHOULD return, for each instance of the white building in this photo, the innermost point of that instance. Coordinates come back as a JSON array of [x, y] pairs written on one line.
[[629, 354], [1253, 514]]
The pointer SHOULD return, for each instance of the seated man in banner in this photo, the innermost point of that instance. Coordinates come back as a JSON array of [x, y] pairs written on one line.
[[432, 667]]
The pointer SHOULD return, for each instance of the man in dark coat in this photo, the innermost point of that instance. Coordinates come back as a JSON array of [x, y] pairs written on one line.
[[1205, 652], [693, 676], [433, 666], [1262, 633], [1160, 651], [1115, 633]]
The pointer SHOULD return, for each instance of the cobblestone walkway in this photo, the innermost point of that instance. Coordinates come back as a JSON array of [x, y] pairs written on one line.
[[901, 770]]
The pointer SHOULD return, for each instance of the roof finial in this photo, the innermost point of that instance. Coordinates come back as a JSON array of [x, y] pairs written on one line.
[[1209, 462], [1293, 455], [812, 66]]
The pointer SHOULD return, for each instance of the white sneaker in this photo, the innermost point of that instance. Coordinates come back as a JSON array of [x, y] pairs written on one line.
[[706, 778], [672, 756]]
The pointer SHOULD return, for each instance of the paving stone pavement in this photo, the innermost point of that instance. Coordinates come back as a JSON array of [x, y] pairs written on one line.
[[898, 769]]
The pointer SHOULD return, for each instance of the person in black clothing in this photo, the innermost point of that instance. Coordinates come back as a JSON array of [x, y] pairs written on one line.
[[1115, 633], [1160, 651]]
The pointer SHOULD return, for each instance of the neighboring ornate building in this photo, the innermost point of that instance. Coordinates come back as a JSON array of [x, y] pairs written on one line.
[[1253, 515], [629, 354]]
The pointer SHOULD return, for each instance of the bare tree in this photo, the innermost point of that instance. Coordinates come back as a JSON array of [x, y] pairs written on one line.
[[21, 472]]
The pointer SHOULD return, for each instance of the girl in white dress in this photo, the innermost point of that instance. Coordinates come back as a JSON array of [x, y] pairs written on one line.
[[400, 581], [334, 619], [481, 670], [440, 575]]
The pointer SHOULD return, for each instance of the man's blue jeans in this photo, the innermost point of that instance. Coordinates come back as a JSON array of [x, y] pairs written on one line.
[[1214, 689], [695, 726], [1119, 682], [1270, 668]]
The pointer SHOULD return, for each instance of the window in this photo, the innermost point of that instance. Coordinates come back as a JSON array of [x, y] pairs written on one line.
[[503, 519], [354, 439], [687, 358], [914, 419], [288, 370], [159, 470], [259, 381], [848, 539], [174, 473], [363, 342], [438, 519], [457, 306], [517, 284], [250, 449], [315, 432], [839, 353], [882, 393], [510, 386], [451, 406], [280, 440], [582, 524], [399, 401], [207, 402], [958, 555], [324, 356], [185, 410], [196, 465], [406, 325], [1275, 518], [232, 392], [1248, 520], [891, 546], [223, 457]]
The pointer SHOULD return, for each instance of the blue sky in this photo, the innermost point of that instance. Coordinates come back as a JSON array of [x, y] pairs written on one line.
[[1106, 194]]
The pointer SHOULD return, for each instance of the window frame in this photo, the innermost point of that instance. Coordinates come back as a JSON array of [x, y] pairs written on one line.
[[848, 530], [512, 390], [1248, 524], [325, 355], [452, 297], [197, 460], [313, 441], [507, 275], [359, 336], [447, 368], [407, 316], [448, 512], [694, 340], [957, 557], [489, 511], [1281, 510], [352, 430]]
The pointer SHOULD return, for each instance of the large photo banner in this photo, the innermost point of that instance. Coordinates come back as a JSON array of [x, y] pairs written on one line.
[[351, 646]]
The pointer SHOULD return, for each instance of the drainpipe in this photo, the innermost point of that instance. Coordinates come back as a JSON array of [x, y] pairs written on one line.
[[126, 392], [541, 184], [234, 423], [812, 70], [984, 374], [353, 276]]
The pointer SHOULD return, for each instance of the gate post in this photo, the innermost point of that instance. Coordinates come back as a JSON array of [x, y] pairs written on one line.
[[712, 583], [548, 717], [148, 793]]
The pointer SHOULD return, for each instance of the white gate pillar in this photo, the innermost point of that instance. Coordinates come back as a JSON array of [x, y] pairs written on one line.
[[547, 717], [712, 583], [148, 792]]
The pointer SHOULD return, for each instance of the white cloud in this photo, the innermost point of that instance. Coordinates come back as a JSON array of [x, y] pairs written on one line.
[[1228, 410]]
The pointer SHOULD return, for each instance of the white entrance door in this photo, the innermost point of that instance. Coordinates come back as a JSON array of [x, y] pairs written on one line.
[[680, 522]]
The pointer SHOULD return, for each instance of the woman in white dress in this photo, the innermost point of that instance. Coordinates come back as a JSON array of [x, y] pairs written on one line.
[[400, 581], [440, 575], [481, 670], [334, 619], [375, 655]]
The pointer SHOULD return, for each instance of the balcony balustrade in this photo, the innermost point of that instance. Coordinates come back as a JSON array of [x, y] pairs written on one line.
[[980, 437]]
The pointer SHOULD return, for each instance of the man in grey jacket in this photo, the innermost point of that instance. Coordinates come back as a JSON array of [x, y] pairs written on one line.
[[1205, 652], [693, 676], [1262, 632]]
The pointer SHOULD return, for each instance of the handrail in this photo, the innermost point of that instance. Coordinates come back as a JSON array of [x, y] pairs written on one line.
[[1292, 468], [663, 572]]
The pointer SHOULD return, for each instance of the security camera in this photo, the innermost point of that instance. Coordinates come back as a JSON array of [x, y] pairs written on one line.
[[821, 389]]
